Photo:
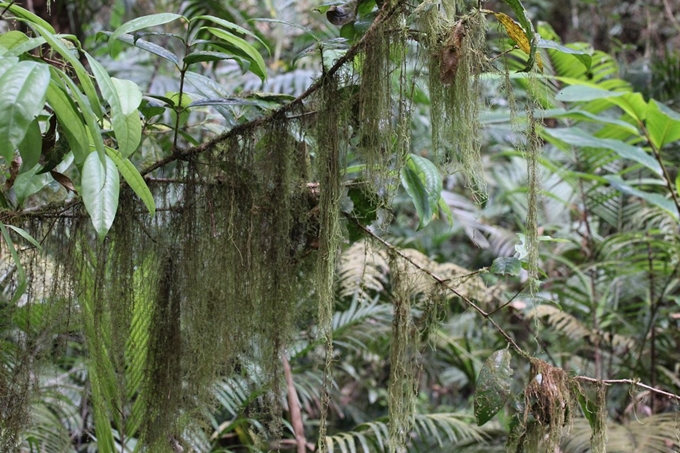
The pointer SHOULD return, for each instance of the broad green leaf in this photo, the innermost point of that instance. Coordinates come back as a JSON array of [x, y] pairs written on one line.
[[31, 146], [133, 178], [127, 139], [22, 97], [144, 22], [423, 184], [70, 55], [21, 274], [129, 95], [493, 386], [581, 93], [90, 118], [25, 46], [506, 266], [235, 28], [652, 198], [29, 183], [27, 16], [12, 38], [99, 189], [71, 122], [633, 104], [290, 24], [584, 57], [580, 138], [6, 63], [663, 124], [242, 48]]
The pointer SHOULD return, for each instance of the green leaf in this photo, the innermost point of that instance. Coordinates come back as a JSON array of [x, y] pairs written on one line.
[[580, 138], [242, 48], [493, 386], [21, 274], [24, 234], [663, 124], [71, 122], [22, 97], [652, 198], [582, 115], [150, 47], [633, 104], [12, 38], [99, 189], [31, 146], [90, 117], [237, 28], [446, 209], [127, 139], [144, 22], [70, 55], [506, 266], [584, 57], [581, 93], [134, 179], [205, 55], [25, 46], [129, 95], [29, 183], [423, 184]]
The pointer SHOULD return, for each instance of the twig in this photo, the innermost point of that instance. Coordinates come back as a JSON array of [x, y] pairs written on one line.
[[634, 382]]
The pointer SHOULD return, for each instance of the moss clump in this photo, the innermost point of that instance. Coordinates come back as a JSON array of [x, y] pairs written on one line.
[[549, 405]]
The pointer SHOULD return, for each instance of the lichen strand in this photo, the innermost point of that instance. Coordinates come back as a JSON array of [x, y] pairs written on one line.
[[379, 111], [329, 159], [533, 150], [462, 130], [434, 27], [403, 359]]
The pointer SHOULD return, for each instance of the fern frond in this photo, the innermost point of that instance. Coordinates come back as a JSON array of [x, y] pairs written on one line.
[[445, 429], [654, 434]]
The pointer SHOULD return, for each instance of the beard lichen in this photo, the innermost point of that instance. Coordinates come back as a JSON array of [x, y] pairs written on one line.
[[328, 167], [456, 59]]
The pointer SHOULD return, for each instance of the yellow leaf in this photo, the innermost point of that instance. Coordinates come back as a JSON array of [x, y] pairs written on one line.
[[517, 34]]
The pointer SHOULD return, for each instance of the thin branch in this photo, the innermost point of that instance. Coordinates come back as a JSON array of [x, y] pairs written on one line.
[[634, 382]]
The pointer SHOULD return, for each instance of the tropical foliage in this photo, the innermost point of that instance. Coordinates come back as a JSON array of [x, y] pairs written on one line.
[[376, 226]]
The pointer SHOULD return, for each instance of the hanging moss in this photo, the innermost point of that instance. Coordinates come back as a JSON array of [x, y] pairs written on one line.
[[532, 154], [328, 165], [403, 355], [381, 113], [463, 103]]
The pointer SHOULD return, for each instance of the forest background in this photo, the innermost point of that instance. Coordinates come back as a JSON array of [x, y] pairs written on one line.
[[384, 226]]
